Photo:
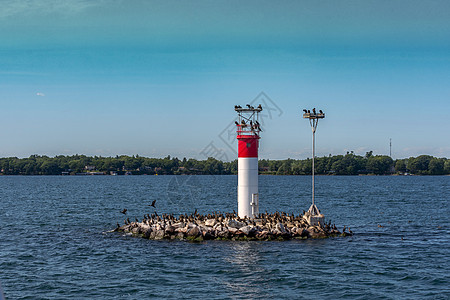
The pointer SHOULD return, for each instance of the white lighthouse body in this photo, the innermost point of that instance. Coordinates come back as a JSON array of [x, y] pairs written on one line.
[[248, 197]]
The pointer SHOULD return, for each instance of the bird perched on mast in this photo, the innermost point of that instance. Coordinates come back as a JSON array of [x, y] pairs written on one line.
[[257, 125]]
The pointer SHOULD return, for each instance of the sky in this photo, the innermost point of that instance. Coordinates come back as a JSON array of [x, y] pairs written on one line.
[[159, 78]]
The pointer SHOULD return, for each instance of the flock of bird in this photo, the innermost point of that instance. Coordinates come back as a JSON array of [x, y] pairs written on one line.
[[264, 221], [314, 111], [253, 126], [237, 107]]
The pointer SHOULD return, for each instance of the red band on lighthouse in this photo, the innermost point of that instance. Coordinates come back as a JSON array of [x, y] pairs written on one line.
[[248, 145]]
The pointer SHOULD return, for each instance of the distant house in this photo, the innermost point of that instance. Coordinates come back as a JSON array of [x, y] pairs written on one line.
[[89, 168], [96, 173]]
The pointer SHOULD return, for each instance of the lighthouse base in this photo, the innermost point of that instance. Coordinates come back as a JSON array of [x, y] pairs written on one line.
[[314, 217]]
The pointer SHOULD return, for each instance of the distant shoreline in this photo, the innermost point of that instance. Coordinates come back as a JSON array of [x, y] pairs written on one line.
[[348, 164], [305, 175]]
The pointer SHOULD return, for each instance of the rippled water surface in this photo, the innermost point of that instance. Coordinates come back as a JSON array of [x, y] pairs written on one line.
[[54, 242]]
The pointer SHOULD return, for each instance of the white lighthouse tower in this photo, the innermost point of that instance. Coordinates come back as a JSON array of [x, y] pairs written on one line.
[[248, 130]]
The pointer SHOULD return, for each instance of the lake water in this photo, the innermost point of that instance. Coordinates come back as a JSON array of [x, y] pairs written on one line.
[[54, 242]]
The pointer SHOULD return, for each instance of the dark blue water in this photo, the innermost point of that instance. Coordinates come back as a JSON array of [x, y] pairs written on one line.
[[54, 242]]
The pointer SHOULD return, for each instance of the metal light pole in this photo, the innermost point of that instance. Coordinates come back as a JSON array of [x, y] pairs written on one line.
[[313, 121]]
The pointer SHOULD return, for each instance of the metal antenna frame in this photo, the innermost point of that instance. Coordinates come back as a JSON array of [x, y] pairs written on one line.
[[254, 116], [313, 121]]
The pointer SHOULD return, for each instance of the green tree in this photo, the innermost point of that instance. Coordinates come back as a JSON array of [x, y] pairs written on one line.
[[400, 166], [447, 166], [436, 166], [379, 164], [419, 165]]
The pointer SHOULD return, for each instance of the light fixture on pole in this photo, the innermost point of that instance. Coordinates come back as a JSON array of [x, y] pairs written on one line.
[[313, 215]]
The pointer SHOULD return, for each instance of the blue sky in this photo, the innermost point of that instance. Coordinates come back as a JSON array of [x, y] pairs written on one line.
[[162, 77]]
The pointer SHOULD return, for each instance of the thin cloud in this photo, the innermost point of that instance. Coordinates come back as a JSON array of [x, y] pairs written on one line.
[[14, 7], [40, 94]]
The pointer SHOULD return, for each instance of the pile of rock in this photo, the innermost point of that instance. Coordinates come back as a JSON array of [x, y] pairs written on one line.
[[196, 227]]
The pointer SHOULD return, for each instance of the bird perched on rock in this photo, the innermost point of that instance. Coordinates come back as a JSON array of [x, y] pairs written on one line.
[[305, 111], [124, 211], [314, 110]]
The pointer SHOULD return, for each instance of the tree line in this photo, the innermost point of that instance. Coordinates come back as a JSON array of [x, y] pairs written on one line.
[[349, 164]]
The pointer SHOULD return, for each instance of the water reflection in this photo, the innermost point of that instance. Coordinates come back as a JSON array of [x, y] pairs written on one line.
[[246, 272]]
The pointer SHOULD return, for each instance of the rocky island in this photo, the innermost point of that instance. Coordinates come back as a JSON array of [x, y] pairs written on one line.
[[227, 226]]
